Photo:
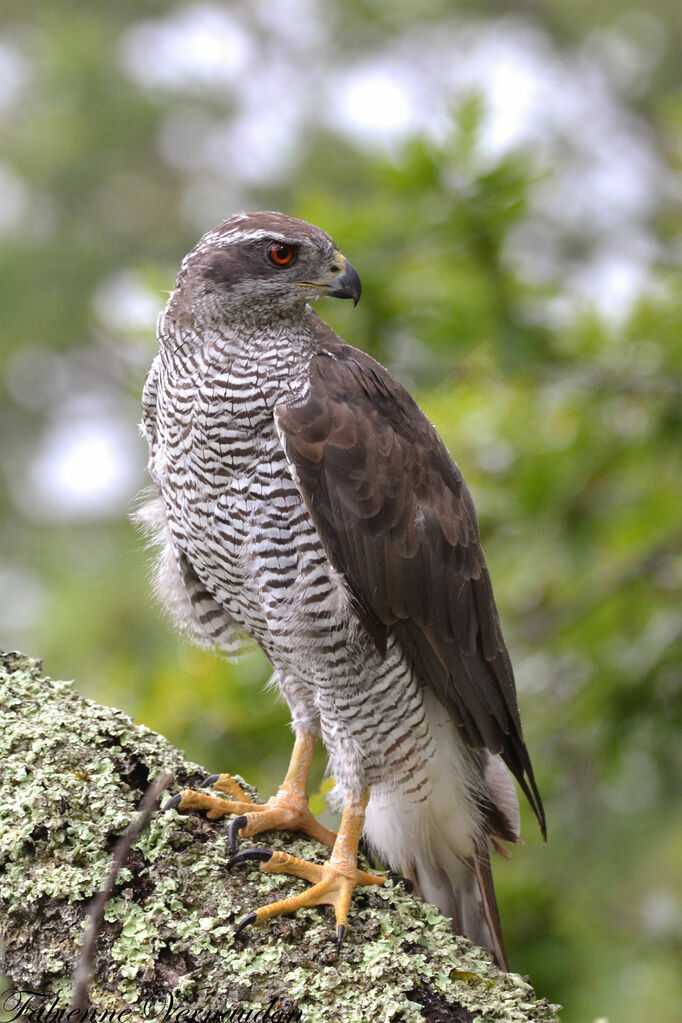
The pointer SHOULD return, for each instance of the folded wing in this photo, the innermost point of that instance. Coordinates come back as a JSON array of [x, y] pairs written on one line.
[[397, 519]]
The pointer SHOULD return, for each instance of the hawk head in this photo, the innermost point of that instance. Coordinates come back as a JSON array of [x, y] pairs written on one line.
[[262, 262]]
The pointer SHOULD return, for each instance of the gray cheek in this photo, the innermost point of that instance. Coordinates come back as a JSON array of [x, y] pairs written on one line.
[[229, 269]]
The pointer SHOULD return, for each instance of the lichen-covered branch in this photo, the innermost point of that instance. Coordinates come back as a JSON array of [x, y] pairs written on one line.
[[72, 774]]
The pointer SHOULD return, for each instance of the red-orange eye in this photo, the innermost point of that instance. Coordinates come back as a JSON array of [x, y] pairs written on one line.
[[281, 254]]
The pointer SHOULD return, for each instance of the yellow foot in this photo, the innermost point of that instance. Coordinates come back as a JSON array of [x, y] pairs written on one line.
[[215, 806], [332, 885], [286, 811]]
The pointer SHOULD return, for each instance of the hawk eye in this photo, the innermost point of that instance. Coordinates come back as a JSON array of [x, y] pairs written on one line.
[[281, 254]]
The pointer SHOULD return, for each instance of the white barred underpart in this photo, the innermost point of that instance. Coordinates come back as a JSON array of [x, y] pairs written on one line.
[[240, 556]]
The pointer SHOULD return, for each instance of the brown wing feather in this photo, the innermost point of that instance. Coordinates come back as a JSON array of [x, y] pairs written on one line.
[[397, 519]]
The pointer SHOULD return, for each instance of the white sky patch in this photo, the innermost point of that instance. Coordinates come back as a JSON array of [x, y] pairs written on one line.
[[259, 148], [613, 281], [87, 467], [375, 103], [15, 73], [515, 78], [199, 47]]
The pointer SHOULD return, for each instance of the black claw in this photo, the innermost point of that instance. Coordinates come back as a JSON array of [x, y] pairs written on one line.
[[262, 855], [233, 832], [173, 801], [399, 879], [251, 918], [340, 935], [211, 780]]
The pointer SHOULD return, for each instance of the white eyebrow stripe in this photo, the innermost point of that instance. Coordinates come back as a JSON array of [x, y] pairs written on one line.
[[241, 236]]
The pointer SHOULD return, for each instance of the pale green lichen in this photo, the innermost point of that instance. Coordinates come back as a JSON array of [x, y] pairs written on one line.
[[72, 774]]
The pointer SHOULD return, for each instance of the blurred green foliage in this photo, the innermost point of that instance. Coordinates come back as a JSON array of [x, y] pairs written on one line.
[[567, 429]]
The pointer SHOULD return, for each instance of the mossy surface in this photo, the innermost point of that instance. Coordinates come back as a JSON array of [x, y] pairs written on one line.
[[72, 774]]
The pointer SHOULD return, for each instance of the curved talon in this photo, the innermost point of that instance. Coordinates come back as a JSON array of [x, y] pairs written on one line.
[[244, 923], [340, 935], [173, 801], [262, 855], [233, 832], [211, 780]]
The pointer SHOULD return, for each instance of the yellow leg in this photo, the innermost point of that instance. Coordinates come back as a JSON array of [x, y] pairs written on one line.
[[288, 810], [333, 882]]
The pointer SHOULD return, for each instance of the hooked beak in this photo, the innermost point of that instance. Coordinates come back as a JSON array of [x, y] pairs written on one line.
[[347, 284], [343, 281]]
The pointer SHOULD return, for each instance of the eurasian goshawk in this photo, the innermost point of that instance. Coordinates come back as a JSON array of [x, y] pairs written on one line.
[[305, 500]]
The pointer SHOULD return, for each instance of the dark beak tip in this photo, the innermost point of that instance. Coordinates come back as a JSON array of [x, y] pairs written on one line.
[[347, 285]]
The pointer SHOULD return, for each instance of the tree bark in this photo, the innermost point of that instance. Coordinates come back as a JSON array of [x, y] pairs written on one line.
[[72, 776]]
